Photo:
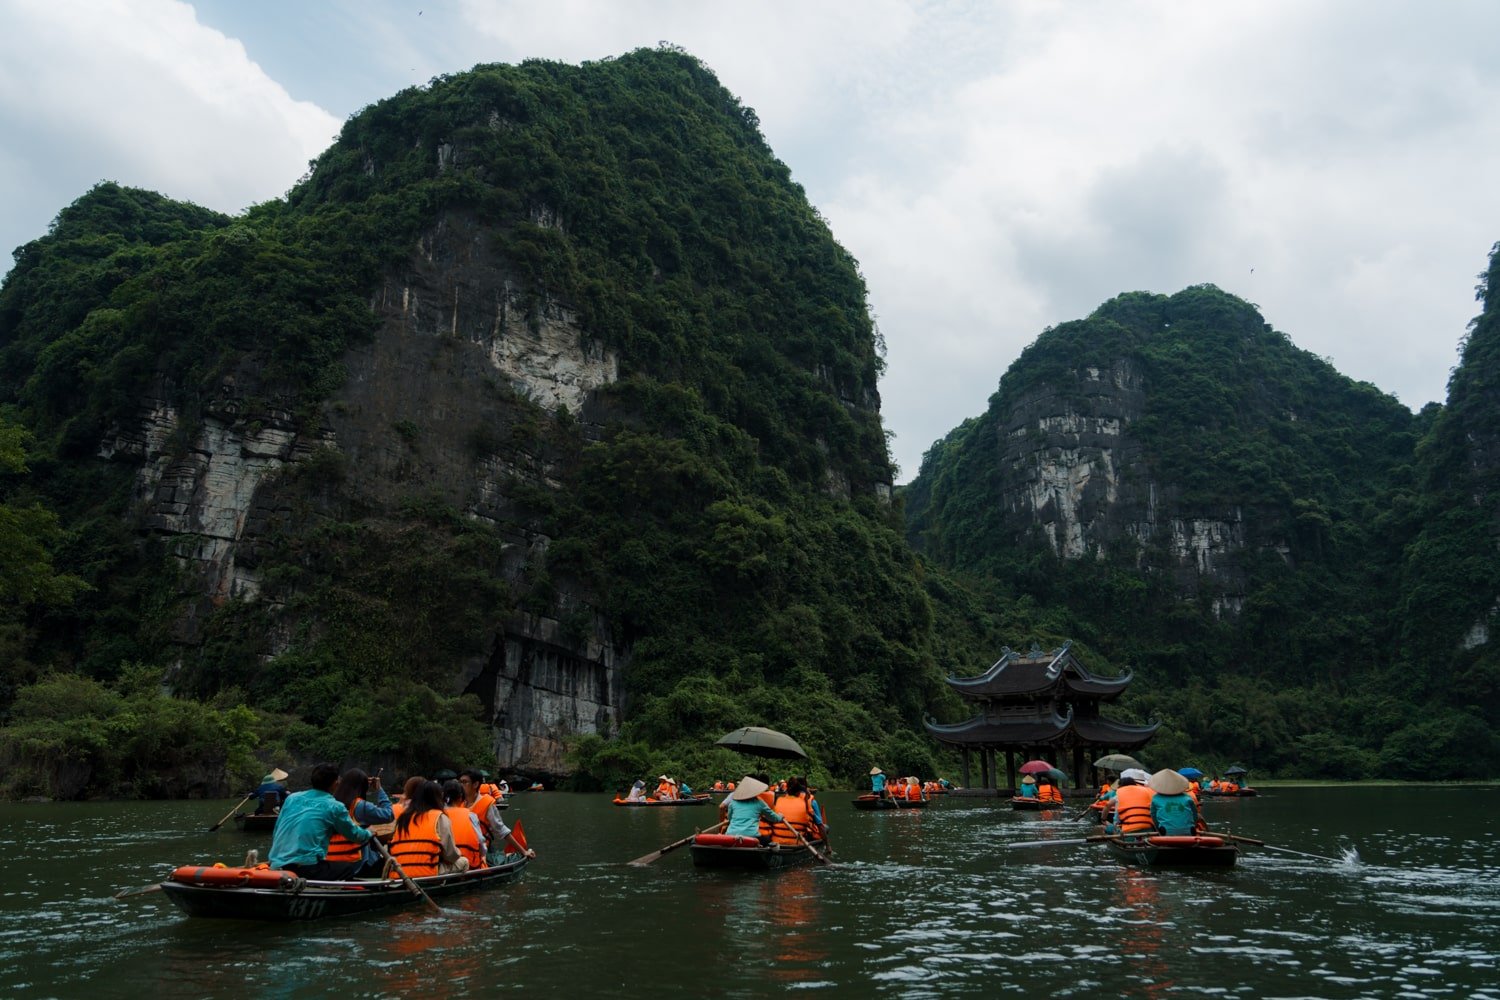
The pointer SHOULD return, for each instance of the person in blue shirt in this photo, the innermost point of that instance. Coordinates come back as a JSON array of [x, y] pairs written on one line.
[[1173, 811], [307, 823], [271, 793], [351, 790], [1028, 787], [744, 809], [877, 781]]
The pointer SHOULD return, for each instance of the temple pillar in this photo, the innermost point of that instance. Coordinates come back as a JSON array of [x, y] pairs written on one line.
[[966, 767], [1010, 768], [984, 768]]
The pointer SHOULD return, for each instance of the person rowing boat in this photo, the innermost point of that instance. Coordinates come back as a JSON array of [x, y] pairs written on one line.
[[306, 825]]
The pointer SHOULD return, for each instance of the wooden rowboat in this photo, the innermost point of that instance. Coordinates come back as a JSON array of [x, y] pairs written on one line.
[[718, 850], [873, 801], [256, 822], [291, 898], [1154, 851], [1242, 793], [1028, 803], [696, 800]]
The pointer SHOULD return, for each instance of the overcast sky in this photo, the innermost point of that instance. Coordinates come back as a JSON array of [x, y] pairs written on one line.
[[995, 167]]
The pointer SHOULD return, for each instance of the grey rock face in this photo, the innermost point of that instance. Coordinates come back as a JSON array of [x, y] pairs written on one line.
[[427, 405], [1073, 471]]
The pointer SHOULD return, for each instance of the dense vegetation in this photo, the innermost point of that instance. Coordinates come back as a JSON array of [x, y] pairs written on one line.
[[721, 511], [1367, 560], [725, 520]]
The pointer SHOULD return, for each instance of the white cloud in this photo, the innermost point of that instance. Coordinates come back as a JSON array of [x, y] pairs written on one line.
[[139, 92]]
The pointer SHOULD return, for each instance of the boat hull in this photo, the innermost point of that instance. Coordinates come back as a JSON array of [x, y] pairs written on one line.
[[320, 900], [873, 802], [256, 822], [1175, 852], [1028, 804], [1243, 793], [696, 800], [772, 858]]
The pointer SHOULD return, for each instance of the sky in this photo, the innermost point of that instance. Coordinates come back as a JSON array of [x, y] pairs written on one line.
[[995, 167]]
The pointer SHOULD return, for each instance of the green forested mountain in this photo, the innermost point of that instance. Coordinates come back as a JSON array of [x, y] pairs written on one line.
[[1298, 568], [314, 459]]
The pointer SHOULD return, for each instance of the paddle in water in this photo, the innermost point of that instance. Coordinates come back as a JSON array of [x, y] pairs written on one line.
[[647, 859], [803, 841], [416, 889], [231, 812], [1283, 850], [1097, 838]]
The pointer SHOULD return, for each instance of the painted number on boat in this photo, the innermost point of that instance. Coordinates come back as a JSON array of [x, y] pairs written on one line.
[[307, 909]]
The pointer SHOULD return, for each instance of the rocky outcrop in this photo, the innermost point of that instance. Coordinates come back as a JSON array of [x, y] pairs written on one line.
[[459, 355], [1072, 471]]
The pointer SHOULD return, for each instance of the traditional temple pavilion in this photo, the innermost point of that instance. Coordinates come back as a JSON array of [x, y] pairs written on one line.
[[1039, 705]]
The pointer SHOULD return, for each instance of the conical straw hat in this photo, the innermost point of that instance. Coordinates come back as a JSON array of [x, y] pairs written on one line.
[[1167, 782], [748, 788]]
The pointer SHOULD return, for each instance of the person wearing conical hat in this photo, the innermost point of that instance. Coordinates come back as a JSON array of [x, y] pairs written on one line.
[[1173, 811], [744, 809], [667, 790], [1028, 787], [271, 793], [877, 781]]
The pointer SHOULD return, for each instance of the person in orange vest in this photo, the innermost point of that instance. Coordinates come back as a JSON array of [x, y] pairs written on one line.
[[351, 790], [797, 815], [1132, 803], [305, 825], [496, 833], [467, 835], [1047, 790], [667, 790], [407, 791], [422, 842], [488, 787]]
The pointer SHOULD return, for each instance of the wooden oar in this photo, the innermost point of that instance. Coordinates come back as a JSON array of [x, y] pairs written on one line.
[[1269, 847], [647, 859], [803, 841], [231, 812], [416, 889], [141, 891], [1097, 838]]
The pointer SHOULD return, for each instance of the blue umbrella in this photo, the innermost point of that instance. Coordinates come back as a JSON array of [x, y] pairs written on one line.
[[1190, 772]]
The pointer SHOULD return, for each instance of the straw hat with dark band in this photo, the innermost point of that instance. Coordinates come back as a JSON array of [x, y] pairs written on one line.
[[747, 789]]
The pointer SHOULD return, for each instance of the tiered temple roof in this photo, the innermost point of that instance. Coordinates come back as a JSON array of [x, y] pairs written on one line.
[[1040, 701]]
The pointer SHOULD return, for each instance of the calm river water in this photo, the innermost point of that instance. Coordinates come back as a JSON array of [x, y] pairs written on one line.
[[919, 904]]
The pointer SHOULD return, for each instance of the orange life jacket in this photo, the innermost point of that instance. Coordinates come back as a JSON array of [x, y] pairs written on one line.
[[481, 808], [796, 811], [666, 791], [1133, 808], [465, 837], [1229, 786], [397, 808], [1193, 790], [341, 848], [492, 790], [1049, 793], [418, 849]]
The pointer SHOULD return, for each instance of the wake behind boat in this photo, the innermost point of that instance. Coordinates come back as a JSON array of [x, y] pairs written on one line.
[[266, 894]]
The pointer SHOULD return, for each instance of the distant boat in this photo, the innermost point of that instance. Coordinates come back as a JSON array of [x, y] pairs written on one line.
[[873, 801]]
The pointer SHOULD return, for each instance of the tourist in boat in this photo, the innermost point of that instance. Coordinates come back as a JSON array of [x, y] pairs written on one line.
[[306, 824], [1028, 787], [407, 791], [423, 839], [1132, 803], [467, 835], [488, 787], [666, 790], [797, 815], [637, 792], [271, 793], [496, 833], [1047, 790], [745, 810], [877, 782], [1173, 811], [351, 790]]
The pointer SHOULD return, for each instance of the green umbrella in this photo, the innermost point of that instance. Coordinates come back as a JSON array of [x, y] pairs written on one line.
[[1118, 762], [761, 742]]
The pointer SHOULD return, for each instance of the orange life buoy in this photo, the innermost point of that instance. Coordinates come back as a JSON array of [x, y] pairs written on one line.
[[253, 878]]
